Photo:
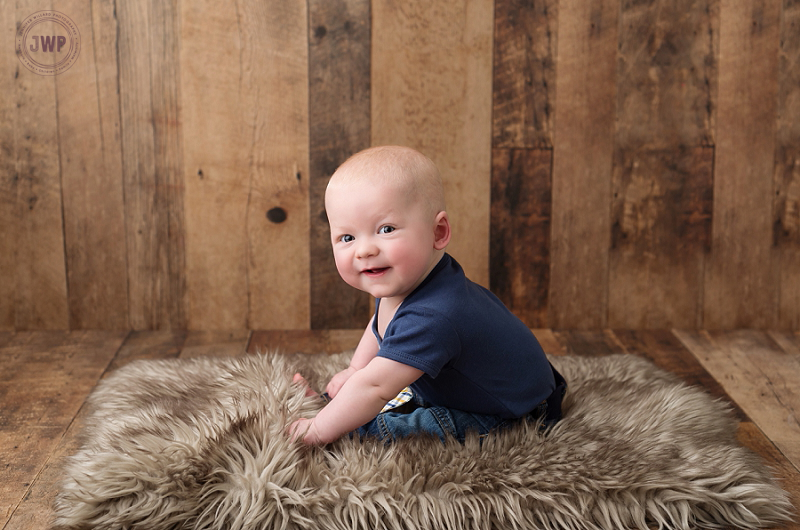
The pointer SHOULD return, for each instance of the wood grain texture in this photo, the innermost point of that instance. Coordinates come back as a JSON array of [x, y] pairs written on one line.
[[44, 380], [662, 183], [668, 353], [6, 337], [432, 90], [244, 78], [549, 342], [35, 233], [39, 362], [787, 340], [173, 177], [91, 165], [35, 510], [524, 75], [215, 344], [787, 474], [660, 235], [786, 220], [667, 74], [759, 375], [339, 118], [520, 231], [585, 342], [216, 172], [8, 171], [582, 163], [740, 282], [274, 81], [304, 341], [152, 169], [149, 345]]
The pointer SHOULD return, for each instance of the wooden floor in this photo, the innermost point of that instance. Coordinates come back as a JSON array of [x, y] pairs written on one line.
[[45, 378]]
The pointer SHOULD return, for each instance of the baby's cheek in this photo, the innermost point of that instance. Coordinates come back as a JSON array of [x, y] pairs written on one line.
[[341, 264], [347, 274]]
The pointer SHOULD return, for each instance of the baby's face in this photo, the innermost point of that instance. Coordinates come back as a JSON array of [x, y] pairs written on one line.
[[383, 241]]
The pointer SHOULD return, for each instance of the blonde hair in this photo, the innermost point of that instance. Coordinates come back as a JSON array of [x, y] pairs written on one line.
[[407, 168]]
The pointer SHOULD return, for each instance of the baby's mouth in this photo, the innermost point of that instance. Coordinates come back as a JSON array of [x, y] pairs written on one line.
[[375, 272]]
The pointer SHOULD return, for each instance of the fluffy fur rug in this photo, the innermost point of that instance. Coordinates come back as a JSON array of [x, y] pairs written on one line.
[[190, 444]]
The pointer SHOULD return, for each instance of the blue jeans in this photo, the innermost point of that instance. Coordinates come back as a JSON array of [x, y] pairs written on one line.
[[423, 418], [418, 417]]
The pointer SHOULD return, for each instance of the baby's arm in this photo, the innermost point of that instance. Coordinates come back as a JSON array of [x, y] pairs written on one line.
[[365, 351], [359, 400]]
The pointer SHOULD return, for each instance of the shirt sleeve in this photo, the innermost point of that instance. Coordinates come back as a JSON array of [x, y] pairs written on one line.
[[421, 338]]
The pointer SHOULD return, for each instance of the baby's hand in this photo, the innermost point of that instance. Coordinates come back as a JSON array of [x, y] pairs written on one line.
[[305, 428], [338, 380]]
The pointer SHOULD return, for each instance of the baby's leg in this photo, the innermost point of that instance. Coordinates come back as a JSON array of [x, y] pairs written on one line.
[[438, 421]]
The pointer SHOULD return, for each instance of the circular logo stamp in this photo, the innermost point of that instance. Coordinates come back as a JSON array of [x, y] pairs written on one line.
[[48, 43]]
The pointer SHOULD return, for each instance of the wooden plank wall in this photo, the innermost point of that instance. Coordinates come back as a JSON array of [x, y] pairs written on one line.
[[608, 163]]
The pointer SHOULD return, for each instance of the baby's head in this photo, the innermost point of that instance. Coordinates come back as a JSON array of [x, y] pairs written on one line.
[[388, 222], [410, 174]]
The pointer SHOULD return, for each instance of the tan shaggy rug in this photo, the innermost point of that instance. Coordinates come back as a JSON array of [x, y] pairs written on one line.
[[190, 444]]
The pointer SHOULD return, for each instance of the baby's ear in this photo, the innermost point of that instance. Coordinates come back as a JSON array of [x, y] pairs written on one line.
[[441, 231]]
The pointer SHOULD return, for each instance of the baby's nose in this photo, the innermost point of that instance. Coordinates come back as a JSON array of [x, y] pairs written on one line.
[[366, 249]]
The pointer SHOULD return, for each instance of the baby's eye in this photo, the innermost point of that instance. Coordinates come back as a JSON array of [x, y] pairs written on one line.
[[346, 238], [386, 229]]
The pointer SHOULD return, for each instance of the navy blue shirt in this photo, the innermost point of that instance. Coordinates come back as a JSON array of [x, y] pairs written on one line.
[[476, 355]]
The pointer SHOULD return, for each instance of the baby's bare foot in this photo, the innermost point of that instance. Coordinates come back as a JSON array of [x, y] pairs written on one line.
[[300, 380]]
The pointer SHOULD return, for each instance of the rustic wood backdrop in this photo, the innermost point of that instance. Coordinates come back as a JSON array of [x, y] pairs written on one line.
[[608, 163]]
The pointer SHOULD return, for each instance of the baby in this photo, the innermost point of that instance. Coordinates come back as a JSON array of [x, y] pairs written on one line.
[[470, 363]]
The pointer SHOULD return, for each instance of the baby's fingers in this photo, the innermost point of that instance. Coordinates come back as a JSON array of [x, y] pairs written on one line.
[[301, 381], [298, 429]]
